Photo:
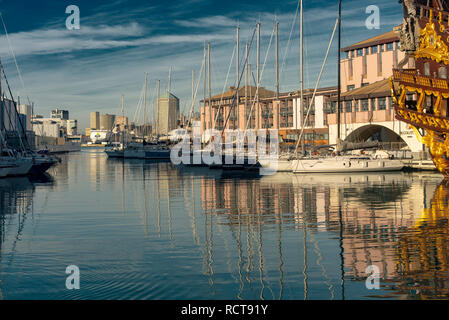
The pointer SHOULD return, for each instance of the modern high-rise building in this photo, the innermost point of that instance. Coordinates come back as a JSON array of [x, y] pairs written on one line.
[[95, 120], [107, 121], [168, 113]]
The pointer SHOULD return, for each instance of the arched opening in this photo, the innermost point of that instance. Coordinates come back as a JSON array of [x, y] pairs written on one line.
[[389, 139]]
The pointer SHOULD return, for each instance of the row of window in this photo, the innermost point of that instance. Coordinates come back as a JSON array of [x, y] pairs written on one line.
[[363, 106], [309, 136], [371, 50]]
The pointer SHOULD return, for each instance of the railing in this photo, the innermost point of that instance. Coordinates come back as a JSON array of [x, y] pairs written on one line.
[[407, 76]]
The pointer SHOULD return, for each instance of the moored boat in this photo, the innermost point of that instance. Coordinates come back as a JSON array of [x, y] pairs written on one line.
[[346, 164]]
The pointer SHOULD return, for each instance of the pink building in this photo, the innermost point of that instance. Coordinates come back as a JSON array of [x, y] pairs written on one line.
[[366, 105]]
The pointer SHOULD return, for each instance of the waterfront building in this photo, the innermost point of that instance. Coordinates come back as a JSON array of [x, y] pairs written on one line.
[[366, 105], [59, 114], [168, 105], [107, 122], [55, 130], [366, 113], [283, 112], [121, 122], [95, 120], [27, 111]]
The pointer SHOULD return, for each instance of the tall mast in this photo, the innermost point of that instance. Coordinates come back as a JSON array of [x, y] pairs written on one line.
[[157, 106], [339, 72], [301, 71], [258, 75], [237, 72], [277, 75], [205, 87], [123, 120], [193, 90], [145, 106], [209, 85], [246, 79]]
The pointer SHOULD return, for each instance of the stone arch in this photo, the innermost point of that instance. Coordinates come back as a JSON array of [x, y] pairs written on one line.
[[375, 132]]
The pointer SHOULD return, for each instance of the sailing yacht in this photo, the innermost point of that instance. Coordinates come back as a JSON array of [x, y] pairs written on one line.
[[348, 163], [329, 164], [142, 150]]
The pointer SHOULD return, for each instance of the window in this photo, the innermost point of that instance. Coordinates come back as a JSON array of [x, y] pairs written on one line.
[[332, 107], [359, 52], [350, 87], [365, 105], [374, 49], [427, 69], [382, 104], [442, 72], [390, 46], [348, 106], [365, 84]]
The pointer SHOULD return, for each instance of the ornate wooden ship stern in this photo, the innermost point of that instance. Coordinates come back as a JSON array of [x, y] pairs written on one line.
[[420, 95]]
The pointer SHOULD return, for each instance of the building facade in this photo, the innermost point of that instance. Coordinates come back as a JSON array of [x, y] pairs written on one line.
[[168, 114], [95, 120], [366, 105], [284, 112], [60, 114], [107, 122]]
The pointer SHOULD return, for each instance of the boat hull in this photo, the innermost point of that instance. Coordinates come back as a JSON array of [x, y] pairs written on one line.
[[149, 155], [277, 165], [345, 165], [22, 167]]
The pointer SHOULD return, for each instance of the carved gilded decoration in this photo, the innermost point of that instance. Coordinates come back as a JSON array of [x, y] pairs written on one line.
[[432, 46]]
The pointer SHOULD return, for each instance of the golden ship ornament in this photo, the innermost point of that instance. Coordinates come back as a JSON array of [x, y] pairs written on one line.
[[420, 95]]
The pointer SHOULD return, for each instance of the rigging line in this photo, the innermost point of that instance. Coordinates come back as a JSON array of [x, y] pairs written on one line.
[[139, 104], [203, 65], [289, 37], [260, 79], [224, 87], [316, 88], [234, 99], [14, 56], [17, 113]]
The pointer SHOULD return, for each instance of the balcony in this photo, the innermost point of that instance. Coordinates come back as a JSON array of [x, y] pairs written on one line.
[[410, 77]]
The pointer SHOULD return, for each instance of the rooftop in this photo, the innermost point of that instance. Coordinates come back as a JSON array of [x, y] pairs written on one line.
[[374, 90], [263, 93], [167, 95], [388, 37]]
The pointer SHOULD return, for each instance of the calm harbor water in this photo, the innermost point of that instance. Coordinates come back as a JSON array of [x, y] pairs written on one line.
[[143, 230]]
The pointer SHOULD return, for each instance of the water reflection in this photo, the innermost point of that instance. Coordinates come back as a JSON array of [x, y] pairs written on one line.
[[16, 207], [422, 252], [153, 231]]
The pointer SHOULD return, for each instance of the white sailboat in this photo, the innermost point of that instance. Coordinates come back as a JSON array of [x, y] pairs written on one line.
[[331, 164], [345, 163], [342, 164], [144, 150], [117, 149]]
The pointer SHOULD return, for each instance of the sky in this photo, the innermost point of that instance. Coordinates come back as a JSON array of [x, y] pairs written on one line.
[[119, 40]]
